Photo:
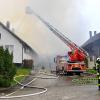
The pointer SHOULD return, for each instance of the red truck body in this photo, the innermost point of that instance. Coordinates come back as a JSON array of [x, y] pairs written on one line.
[[64, 66]]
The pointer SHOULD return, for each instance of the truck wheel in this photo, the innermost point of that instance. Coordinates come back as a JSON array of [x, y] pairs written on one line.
[[69, 73], [78, 73]]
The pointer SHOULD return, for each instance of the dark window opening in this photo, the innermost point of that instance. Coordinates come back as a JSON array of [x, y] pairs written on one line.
[[91, 58], [0, 36]]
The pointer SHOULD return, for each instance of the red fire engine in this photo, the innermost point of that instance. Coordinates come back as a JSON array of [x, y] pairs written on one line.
[[76, 56], [65, 66]]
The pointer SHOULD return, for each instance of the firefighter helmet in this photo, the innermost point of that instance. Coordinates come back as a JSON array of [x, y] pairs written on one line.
[[98, 59]]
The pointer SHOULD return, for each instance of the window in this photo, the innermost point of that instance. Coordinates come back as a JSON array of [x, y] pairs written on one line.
[[26, 50], [0, 35], [91, 58], [6, 46], [10, 48], [1, 46]]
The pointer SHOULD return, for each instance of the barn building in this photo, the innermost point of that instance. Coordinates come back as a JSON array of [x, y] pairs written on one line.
[[92, 46]]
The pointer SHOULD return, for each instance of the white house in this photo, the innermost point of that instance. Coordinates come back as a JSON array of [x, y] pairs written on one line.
[[20, 49]]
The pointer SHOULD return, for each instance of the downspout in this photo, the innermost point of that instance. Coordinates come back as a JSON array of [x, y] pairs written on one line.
[[22, 55]]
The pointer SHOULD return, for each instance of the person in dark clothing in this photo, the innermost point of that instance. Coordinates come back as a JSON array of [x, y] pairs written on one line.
[[98, 71]]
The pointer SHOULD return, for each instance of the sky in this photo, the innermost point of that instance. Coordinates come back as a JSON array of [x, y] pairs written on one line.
[[74, 18]]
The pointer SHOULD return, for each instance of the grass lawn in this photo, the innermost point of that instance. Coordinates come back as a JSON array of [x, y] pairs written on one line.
[[21, 71], [91, 71]]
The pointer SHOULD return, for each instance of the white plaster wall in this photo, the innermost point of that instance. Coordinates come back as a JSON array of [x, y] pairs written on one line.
[[31, 55], [27, 55], [8, 39], [91, 64]]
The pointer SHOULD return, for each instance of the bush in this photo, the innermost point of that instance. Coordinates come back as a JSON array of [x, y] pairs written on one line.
[[91, 71], [7, 69]]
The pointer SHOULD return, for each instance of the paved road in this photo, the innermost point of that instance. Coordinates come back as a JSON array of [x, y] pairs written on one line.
[[60, 89]]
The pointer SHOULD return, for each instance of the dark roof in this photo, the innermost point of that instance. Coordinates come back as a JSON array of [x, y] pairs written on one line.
[[12, 33], [91, 40]]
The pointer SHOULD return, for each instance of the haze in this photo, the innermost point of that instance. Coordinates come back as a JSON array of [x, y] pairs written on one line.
[[74, 18]]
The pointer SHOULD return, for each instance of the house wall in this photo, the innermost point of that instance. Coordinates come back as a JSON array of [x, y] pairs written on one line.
[[15, 46], [91, 62], [30, 55], [27, 54]]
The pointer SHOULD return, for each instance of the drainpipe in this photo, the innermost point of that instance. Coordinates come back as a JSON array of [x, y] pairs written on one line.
[[22, 54]]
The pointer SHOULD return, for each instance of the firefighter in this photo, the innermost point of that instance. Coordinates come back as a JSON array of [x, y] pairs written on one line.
[[98, 71]]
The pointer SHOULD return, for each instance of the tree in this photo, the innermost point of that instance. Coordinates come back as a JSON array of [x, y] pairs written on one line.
[[7, 68], [1, 59]]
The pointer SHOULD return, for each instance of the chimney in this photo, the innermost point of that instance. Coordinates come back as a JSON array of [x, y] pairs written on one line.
[[95, 32], [90, 33], [8, 24]]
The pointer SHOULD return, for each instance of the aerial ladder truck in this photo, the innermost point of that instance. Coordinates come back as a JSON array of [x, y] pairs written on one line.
[[77, 55]]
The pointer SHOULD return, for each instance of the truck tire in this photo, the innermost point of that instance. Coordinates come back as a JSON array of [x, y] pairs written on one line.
[[69, 73], [78, 73]]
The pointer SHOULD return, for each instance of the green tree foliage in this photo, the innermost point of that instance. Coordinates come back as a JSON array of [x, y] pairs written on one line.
[[7, 69], [1, 60]]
